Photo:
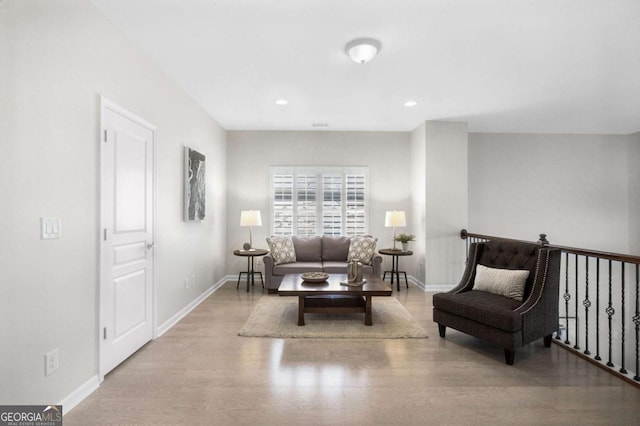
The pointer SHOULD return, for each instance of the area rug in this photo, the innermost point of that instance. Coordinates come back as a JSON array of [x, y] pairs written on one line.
[[275, 316]]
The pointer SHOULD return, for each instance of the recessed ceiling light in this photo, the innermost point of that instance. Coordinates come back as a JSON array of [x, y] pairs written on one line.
[[410, 103], [282, 102]]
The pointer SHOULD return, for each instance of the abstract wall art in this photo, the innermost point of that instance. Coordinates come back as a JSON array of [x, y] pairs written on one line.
[[194, 185]]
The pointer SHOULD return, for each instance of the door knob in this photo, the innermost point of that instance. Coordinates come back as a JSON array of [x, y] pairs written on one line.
[[151, 245]]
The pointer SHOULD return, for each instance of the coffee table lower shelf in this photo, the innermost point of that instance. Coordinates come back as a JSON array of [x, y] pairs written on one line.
[[335, 304]]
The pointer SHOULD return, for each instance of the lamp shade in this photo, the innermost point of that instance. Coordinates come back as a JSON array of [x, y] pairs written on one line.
[[395, 218], [250, 218]]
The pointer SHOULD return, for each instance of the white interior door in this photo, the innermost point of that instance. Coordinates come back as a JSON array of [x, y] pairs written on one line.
[[126, 278]]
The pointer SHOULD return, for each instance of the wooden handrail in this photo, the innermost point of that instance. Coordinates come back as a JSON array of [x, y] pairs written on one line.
[[464, 234]]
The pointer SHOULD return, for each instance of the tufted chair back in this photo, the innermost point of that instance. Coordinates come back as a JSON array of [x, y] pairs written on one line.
[[510, 255]]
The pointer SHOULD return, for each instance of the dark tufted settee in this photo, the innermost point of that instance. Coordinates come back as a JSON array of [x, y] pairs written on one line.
[[496, 318]]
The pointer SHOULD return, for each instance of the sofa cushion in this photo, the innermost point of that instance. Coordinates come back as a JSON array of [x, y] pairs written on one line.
[[505, 282], [282, 250], [482, 307], [362, 249], [297, 268], [308, 249], [335, 267], [335, 248]]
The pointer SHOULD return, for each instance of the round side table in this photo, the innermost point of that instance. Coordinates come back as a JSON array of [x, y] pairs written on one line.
[[250, 254], [395, 254]]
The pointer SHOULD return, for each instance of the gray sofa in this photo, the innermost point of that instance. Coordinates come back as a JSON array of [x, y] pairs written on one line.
[[315, 254]]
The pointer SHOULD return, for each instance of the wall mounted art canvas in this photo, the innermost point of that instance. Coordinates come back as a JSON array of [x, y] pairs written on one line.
[[194, 185]]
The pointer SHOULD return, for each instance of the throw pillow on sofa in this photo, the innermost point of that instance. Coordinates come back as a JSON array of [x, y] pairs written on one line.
[[335, 249], [362, 249], [282, 250], [308, 249]]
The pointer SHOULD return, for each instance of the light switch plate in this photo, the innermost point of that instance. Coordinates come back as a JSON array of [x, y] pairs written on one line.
[[50, 228]]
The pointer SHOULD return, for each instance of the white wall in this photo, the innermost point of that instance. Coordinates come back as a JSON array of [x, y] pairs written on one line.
[[56, 59], [633, 163], [250, 153], [446, 201], [418, 203], [572, 187]]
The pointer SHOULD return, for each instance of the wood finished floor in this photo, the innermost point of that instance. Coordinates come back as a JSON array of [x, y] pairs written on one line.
[[201, 373]]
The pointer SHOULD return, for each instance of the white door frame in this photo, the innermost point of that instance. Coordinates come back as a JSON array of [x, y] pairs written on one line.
[[106, 103]]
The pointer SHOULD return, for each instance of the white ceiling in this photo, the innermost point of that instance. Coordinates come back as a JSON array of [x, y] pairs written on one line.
[[533, 66]]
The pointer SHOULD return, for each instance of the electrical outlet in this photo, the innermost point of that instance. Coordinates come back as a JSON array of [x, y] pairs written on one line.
[[186, 282], [51, 362]]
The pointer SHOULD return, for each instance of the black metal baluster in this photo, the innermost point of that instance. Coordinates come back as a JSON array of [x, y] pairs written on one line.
[[576, 346], [566, 298], [622, 369], [587, 304], [597, 357], [636, 321], [610, 312]]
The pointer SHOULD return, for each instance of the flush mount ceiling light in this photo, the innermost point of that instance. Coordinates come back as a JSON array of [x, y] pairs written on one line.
[[410, 103], [362, 50], [282, 102]]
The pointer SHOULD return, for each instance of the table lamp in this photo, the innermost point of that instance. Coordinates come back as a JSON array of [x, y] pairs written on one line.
[[395, 218], [250, 218]]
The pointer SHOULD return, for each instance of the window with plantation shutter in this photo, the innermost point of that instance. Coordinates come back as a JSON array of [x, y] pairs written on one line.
[[282, 208], [305, 208], [332, 205], [309, 201], [355, 205]]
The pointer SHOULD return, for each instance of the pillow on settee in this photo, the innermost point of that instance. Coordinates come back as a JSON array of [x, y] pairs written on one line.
[[504, 282], [282, 250], [335, 248], [308, 249], [362, 249]]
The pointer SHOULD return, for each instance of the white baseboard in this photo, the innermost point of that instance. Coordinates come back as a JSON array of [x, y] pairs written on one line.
[[416, 282], [430, 287], [190, 307], [87, 388], [74, 398], [438, 287]]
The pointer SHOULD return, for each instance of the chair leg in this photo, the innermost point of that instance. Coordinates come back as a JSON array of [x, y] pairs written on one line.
[[509, 356], [442, 329], [547, 340]]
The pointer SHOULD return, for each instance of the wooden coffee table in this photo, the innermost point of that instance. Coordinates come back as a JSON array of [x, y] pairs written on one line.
[[332, 297]]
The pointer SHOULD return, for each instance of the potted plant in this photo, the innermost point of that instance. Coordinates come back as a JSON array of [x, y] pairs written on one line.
[[404, 239]]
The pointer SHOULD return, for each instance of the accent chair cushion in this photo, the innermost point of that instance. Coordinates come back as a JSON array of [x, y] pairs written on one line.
[[308, 249], [504, 282], [509, 255], [362, 249], [481, 307], [282, 249], [335, 248]]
